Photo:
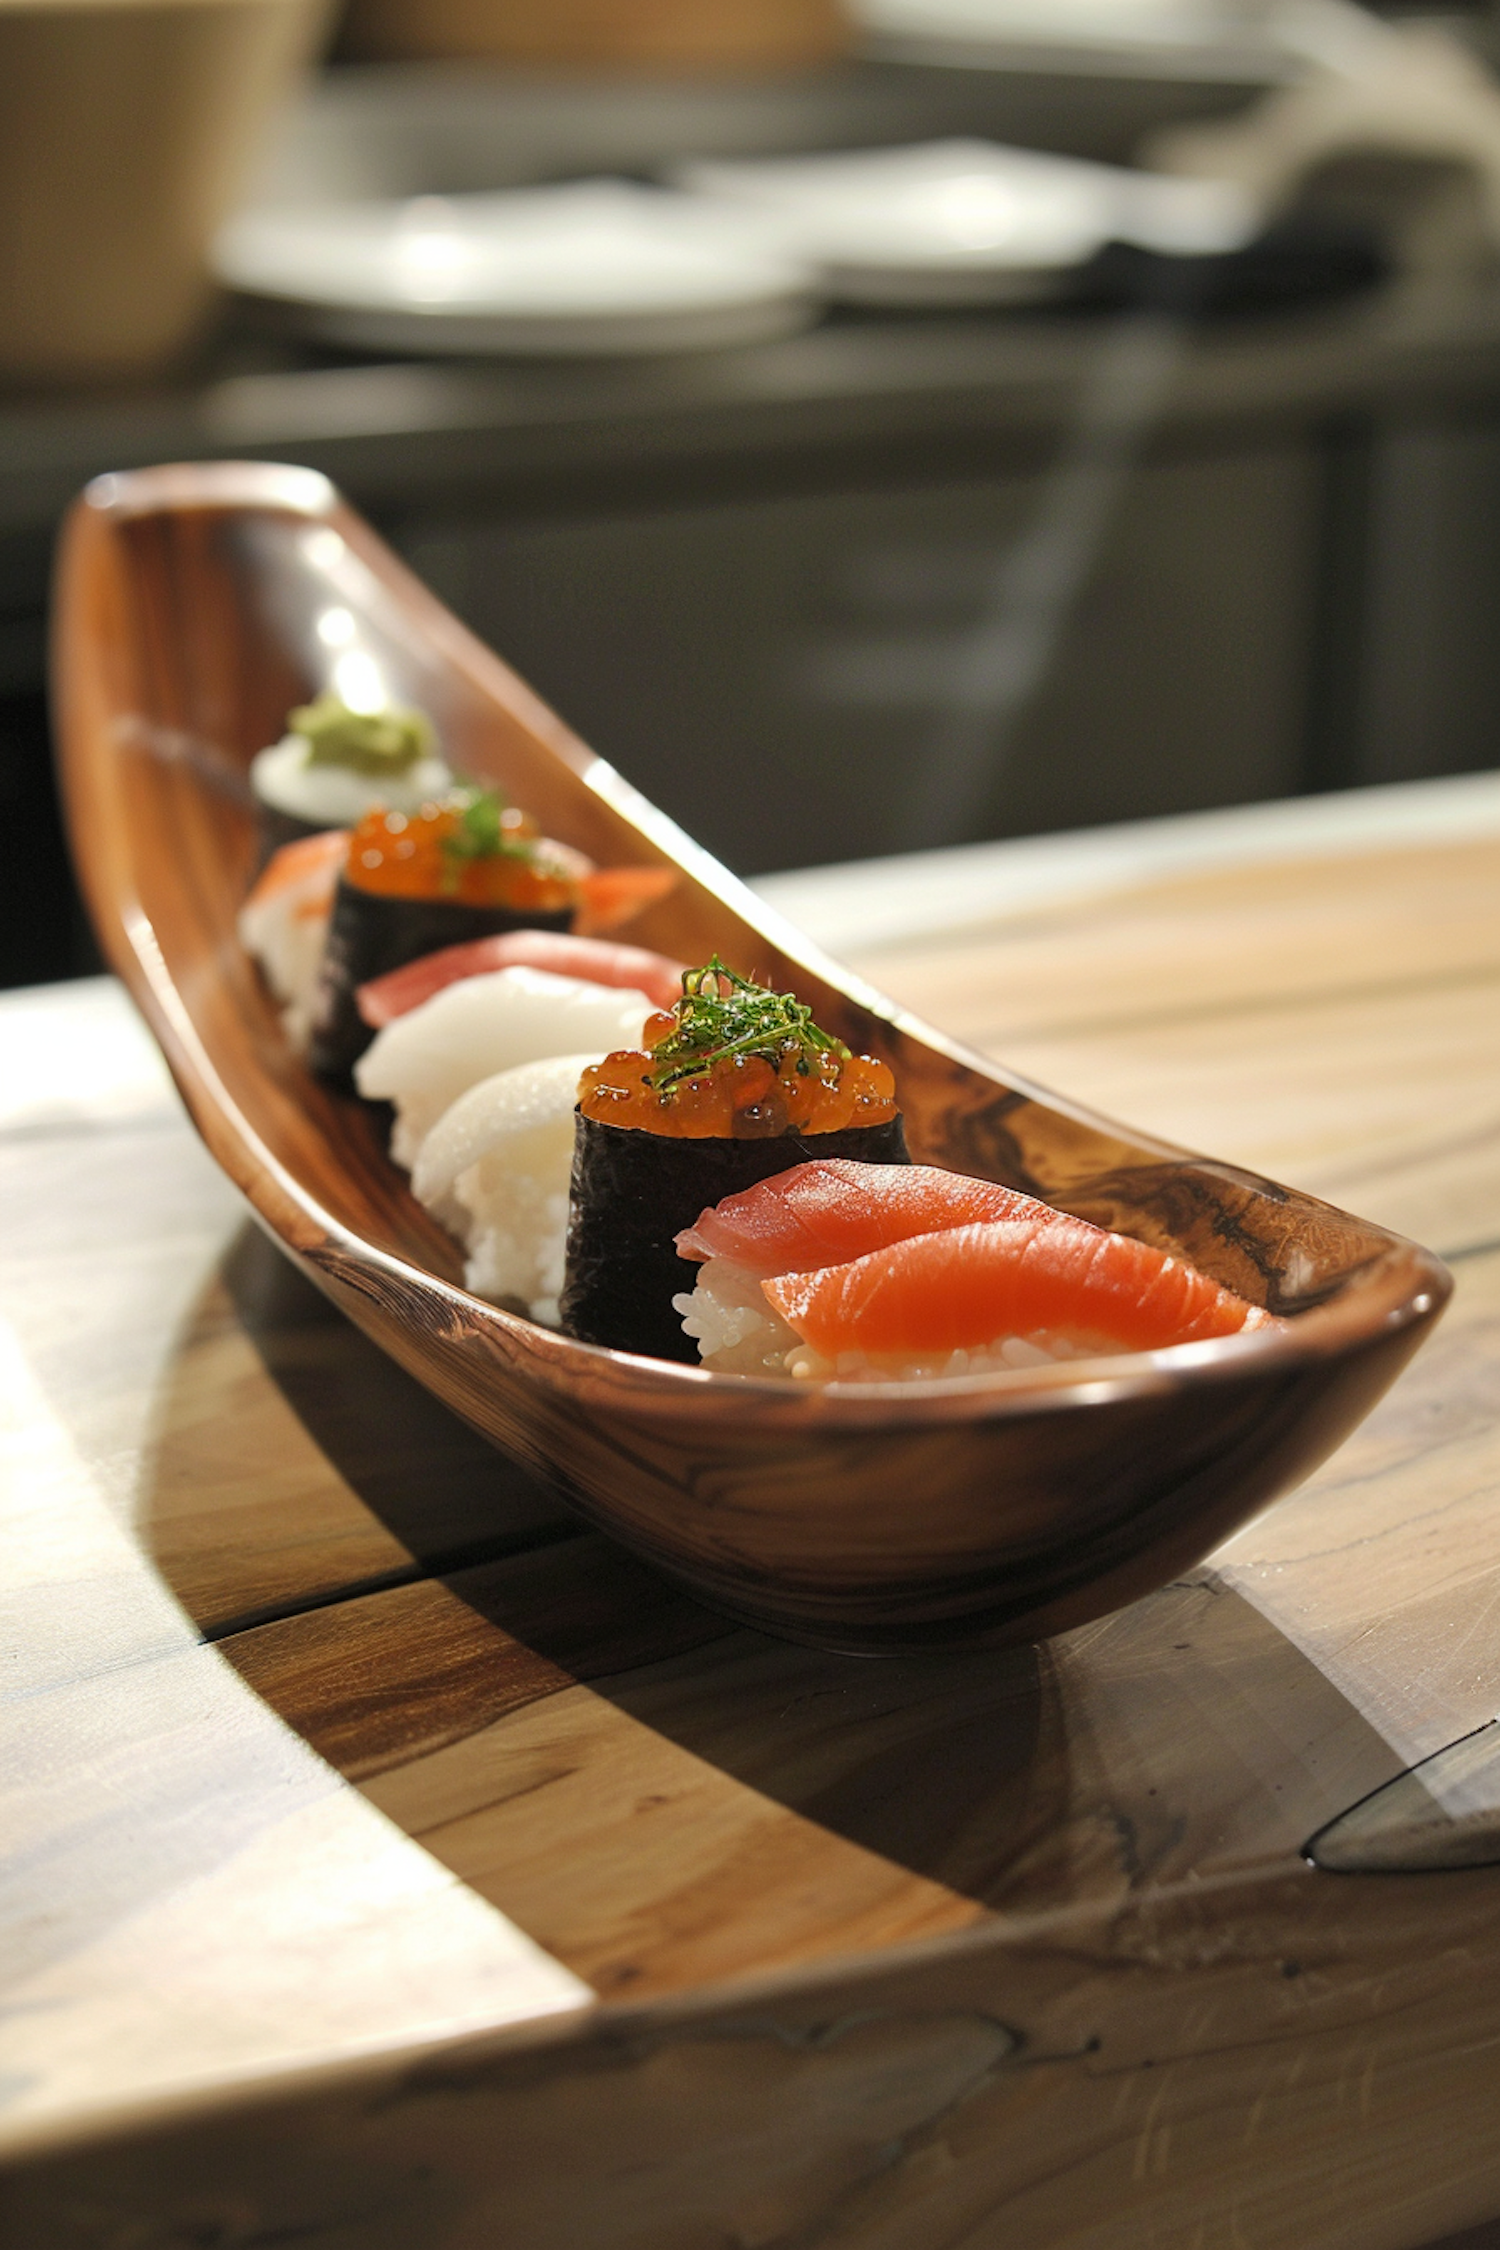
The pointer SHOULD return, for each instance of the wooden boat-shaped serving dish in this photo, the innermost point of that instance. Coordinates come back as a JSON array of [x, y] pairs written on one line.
[[195, 606]]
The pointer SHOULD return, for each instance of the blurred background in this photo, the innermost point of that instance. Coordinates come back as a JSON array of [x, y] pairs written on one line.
[[873, 426]]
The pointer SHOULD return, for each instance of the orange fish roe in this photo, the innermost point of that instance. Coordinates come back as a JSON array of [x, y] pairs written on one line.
[[422, 855], [745, 1097], [742, 1097]]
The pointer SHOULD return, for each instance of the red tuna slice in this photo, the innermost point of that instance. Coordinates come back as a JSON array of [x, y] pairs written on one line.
[[973, 1285], [832, 1210], [591, 960]]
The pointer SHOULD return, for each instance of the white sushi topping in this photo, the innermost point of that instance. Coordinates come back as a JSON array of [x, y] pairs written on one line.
[[495, 1170], [482, 1025], [331, 796]]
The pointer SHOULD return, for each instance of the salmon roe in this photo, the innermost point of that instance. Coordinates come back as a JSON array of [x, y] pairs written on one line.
[[744, 1097], [413, 855]]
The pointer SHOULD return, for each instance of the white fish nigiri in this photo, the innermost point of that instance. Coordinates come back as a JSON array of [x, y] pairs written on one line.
[[472, 1030], [495, 1170]]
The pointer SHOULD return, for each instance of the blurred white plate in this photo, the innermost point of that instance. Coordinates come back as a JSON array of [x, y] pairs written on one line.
[[1184, 37], [969, 222], [595, 267]]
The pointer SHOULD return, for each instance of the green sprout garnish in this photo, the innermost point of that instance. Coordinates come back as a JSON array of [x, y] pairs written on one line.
[[377, 743], [481, 832], [722, 1014]]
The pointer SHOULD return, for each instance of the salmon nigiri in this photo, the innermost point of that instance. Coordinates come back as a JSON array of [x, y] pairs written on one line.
[[284, 921], [1007, 1293], [824, 1213]]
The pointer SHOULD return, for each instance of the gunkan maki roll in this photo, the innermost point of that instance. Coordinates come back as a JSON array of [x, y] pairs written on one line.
[[466, 867], [733, 1084], [334, 764]]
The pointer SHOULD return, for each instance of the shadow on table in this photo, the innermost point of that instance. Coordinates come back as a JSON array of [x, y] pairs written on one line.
[[657, 1795]]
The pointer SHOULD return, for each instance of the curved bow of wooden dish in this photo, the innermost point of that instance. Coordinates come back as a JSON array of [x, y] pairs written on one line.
[[195, 605]]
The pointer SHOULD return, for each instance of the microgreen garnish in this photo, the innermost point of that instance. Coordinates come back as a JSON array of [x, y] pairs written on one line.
[[481, 832], [722, 1014]]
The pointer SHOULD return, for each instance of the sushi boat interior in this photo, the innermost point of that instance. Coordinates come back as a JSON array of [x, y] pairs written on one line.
[[863, 1487]]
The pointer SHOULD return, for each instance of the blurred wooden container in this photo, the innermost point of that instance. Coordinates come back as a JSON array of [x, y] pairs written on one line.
[[629, 34], [125, 130]]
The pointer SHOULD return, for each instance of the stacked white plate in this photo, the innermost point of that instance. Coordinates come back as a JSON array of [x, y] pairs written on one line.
[[967, 222], [594, 267], [1192, 38]]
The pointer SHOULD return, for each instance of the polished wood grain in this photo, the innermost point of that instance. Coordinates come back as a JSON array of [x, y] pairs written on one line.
[[973, 1949], [189, 602]]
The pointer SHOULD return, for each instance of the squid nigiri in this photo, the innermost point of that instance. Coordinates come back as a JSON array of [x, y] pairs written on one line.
[[474, 1029], [494, 1170]]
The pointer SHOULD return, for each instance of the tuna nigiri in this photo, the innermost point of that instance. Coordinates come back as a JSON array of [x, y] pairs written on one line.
[[831, 1210], [559, 952], [824, 1213], [962, 1300]]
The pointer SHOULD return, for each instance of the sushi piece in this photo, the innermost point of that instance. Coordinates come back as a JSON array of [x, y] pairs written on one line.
[[469, 1031], [334, 764], [469, 867], [732, 1085], [820, 1214], [466, 868], [283, 924], [591, 960], [1014, 1292], [494, 1170]]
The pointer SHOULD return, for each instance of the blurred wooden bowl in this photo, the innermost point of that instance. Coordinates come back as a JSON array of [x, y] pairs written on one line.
[[125, 132], [655, 35]]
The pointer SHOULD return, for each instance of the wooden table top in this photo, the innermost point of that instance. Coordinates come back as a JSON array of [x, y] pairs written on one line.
[[335, 1746]]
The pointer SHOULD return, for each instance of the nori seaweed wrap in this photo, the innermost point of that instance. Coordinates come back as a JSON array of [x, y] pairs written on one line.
[[633, 1191], [739, 1084], [367, 935], [466, 868]]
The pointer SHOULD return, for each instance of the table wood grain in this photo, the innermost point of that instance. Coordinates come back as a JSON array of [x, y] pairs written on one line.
[[398, 1863]]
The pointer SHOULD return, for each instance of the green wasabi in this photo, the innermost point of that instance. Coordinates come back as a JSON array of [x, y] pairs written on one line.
[[378, 744]]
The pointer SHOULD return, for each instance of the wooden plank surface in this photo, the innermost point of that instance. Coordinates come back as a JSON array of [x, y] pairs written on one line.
[[676, 1810], [191, 1898]]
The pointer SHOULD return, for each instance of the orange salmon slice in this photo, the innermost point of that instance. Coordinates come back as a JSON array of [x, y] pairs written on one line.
[[974, 1285]]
